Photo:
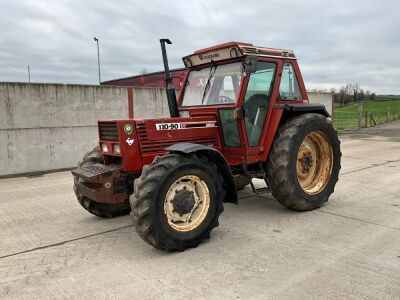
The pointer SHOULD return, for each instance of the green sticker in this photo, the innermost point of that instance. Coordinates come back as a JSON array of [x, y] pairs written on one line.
[[128, 128]]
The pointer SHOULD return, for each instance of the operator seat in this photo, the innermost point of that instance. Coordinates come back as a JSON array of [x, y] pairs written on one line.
[[253, 104], [255, 110]]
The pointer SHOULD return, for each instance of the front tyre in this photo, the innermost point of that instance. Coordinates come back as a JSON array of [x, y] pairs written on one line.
[[304, 162], [177, 201]]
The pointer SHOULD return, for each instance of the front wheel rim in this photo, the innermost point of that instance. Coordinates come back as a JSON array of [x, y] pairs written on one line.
[[186, 203], [314, 163]]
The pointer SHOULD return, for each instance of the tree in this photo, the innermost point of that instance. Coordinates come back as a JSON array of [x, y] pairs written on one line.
[[372, 97], [356, 89], [361, 95], [350, 93], [345, 93]]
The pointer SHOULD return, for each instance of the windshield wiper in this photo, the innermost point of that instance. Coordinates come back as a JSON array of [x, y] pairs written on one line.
[[210, 75]]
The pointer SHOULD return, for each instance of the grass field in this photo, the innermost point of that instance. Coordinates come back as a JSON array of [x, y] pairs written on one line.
[[383, 109]]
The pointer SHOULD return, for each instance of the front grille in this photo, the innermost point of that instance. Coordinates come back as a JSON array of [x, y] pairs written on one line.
[[148, 146], [108, 131]]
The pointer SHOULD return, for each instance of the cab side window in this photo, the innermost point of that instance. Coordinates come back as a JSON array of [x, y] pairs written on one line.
[[229, 89], [289, 87], [257, 100]]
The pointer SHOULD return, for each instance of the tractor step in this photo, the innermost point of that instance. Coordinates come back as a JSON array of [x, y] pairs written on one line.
[[259, 191], [259, 175], [263, 190], [256, 174]]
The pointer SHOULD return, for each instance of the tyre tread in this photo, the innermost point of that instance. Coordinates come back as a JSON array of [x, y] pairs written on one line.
[[142, 203]]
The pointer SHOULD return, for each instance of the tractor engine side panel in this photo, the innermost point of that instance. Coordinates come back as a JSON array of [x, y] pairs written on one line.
[[155, 136], [141, 140]]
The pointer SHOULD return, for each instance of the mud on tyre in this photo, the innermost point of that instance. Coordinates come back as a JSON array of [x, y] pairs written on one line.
[[304, 162], [177, 201]]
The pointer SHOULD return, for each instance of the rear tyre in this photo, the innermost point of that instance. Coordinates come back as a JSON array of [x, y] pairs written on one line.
[[304, 162], [177, 201], [103, 210]]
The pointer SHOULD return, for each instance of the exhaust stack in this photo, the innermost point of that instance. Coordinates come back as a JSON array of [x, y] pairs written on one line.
[[171, 96]]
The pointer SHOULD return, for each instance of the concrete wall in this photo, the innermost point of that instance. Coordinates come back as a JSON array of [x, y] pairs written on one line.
[[322, 98], [50, 126]]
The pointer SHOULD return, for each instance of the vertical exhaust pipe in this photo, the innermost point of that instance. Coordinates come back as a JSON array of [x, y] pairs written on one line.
[[171, 96]]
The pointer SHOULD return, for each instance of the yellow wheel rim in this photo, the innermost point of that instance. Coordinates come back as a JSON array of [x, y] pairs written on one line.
[[187, 203], [314, 163]]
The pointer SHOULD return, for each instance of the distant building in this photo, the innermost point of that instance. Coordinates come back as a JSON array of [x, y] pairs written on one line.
[[156, 79]]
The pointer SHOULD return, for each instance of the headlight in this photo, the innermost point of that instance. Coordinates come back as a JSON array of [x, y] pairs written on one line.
[[104, 147], [117, 149]]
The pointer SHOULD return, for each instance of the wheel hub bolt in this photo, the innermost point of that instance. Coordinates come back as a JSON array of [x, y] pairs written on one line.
[[183, 202]]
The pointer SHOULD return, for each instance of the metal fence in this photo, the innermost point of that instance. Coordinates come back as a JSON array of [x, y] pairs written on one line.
[[355, 120]]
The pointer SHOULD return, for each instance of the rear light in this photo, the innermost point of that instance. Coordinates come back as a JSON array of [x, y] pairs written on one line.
[[104, 147], [117, 149]]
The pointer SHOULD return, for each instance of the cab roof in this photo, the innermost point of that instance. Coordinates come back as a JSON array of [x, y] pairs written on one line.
[[233, 50]]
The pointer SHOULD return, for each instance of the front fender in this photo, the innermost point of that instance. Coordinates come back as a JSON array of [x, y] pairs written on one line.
[[229, 183]]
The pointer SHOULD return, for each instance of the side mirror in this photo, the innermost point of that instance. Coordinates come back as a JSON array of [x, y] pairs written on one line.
[[250, 64]]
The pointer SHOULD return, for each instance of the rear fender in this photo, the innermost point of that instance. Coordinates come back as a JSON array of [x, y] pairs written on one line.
[[290, 110], [229, 183]]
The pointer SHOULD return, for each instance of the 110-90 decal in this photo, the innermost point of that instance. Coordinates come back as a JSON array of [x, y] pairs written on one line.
[[176, 126], [170, 126]]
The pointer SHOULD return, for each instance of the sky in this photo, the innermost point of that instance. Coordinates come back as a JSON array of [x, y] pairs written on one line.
[[336, 42]]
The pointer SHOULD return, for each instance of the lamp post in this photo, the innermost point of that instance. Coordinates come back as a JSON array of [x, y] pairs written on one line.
[[29, 74], [98, 57]]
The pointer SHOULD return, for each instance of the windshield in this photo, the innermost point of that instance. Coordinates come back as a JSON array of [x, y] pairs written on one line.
[[214, 85]]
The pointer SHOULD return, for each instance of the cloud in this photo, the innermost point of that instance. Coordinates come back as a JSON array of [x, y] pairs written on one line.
[[336, 42]]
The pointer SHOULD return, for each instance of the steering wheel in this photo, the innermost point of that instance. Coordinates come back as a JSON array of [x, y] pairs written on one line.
[[225, 100]]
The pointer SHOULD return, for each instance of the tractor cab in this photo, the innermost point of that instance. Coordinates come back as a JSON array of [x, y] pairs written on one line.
[[245, 87]]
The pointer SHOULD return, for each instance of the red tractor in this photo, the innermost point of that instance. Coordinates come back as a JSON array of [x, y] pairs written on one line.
[[243, 113]]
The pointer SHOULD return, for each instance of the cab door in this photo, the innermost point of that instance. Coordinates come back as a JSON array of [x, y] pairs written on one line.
[[257, 106], [242, 130], [232, 127]]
